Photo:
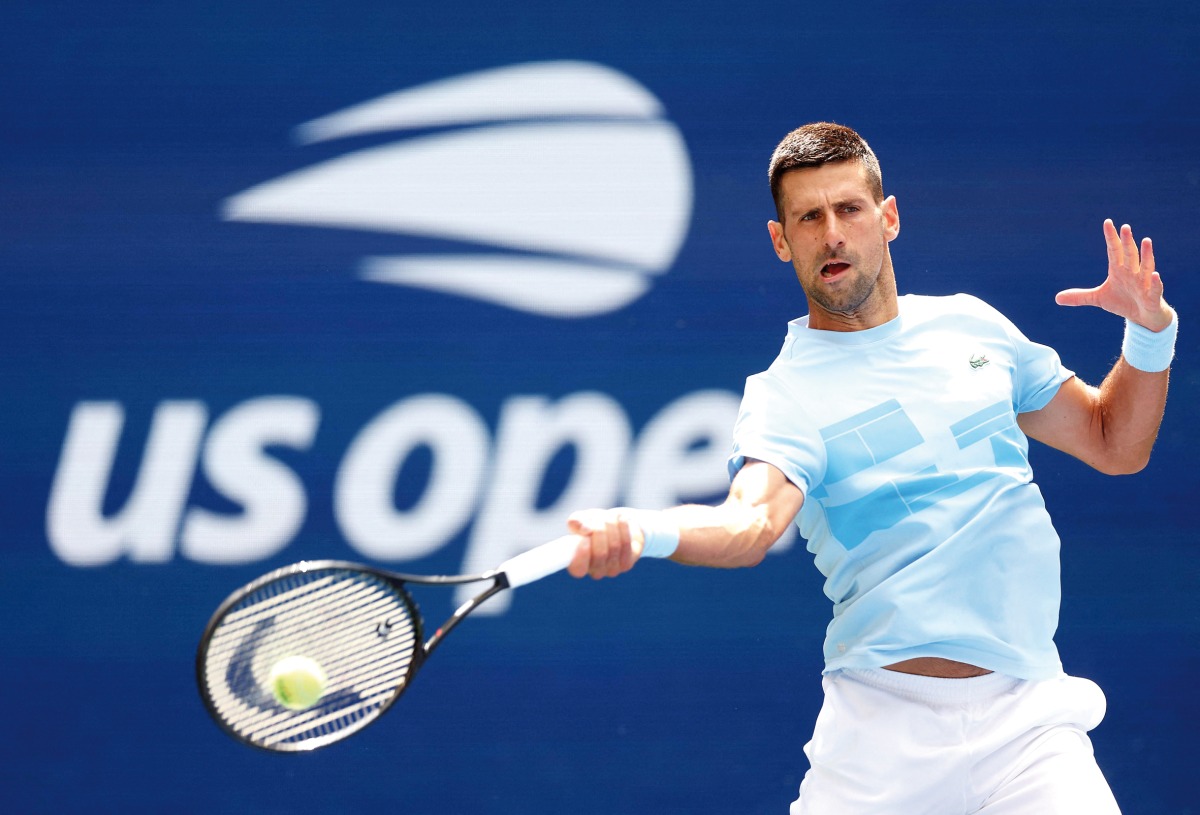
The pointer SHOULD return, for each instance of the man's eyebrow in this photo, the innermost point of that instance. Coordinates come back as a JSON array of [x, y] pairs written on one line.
[[849, 200]]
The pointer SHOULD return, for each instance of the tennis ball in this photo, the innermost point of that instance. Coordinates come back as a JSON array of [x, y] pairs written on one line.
[[297, 682]]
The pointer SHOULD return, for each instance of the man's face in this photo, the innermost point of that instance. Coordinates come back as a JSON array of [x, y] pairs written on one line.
[[835, 236]]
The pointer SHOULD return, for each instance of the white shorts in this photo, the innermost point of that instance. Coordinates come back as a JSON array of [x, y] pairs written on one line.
[[888, 743]]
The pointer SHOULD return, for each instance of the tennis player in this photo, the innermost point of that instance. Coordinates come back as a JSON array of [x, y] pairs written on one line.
[[894, 431]]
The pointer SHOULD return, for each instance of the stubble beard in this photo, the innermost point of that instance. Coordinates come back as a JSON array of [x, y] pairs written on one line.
[[848, 300]]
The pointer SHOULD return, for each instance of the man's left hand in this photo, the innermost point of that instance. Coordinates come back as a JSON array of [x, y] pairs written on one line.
[[1133, 289]]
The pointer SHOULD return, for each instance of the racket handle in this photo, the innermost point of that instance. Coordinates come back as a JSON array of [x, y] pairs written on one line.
[[541, 561]]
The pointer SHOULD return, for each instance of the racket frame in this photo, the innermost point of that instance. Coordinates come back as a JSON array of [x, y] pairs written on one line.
[[398, 581]]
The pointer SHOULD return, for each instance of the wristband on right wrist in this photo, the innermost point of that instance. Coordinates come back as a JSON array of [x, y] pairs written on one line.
[[659, 533]]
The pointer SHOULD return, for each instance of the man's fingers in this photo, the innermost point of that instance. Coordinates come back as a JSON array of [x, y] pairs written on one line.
[[600, 546], [615, 556], [601, 555], [1112, 242], [1133, 288], [606, 548], [1148, 267], [1076, 297], [1129, 250], [590, 527], [1123, 249], [579, 564], [620, 544]]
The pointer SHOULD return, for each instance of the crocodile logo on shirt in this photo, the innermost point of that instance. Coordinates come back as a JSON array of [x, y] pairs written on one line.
[[979, 361]]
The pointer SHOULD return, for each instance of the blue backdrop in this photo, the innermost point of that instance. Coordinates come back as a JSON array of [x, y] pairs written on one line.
[[406, 283]]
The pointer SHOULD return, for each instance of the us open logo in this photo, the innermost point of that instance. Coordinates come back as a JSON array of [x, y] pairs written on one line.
[[568, 189]]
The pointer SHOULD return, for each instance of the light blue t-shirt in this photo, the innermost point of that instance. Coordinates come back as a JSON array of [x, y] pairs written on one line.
[[920, 506]]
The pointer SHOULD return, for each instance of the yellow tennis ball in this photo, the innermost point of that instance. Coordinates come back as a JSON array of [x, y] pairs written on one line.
[[297, 682]]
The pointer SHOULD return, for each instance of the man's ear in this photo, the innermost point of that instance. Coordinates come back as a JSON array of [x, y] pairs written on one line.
[[782, 250], [891, 218]]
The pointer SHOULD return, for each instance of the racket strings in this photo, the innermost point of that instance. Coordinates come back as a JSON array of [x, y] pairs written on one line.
[[358, 627]]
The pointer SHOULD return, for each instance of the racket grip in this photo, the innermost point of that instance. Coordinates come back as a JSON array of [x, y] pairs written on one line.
[[540, 561]]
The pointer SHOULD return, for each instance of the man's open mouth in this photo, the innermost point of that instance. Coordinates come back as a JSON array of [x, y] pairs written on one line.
[[834, 269]]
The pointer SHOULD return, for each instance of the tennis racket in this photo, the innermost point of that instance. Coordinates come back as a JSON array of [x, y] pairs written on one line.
[[359, 624]]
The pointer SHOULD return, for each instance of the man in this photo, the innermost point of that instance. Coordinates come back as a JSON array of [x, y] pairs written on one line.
[[894, 430]]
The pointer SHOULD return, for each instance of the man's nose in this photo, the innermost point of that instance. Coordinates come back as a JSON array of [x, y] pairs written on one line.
[[834, 236]]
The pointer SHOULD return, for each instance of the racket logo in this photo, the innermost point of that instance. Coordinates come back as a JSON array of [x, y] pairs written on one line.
[[568, 169], [384, 629]]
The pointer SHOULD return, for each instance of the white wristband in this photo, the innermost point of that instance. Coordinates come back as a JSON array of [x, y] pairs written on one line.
[[660, 533], [1150, 351]]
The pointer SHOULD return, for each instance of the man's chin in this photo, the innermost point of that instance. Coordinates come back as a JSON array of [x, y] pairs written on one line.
[[849, 306]]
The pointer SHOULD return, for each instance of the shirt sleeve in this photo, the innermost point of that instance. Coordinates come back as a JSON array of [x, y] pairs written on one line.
[[1038, 375], [772, 427]]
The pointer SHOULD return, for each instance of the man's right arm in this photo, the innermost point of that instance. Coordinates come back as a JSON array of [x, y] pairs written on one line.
[[737, 532]]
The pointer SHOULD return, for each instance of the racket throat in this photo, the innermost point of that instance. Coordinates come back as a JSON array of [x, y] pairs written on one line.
[[466, 608]]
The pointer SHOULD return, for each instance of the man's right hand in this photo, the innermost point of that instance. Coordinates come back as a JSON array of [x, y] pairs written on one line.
[[608, 545]]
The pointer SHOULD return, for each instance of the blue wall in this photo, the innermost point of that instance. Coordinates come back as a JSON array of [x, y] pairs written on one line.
[[207, 375]]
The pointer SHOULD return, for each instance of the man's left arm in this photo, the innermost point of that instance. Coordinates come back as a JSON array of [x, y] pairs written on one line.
[[1113, 427]]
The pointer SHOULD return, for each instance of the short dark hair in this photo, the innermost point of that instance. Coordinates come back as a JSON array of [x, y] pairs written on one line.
[[818, 144]]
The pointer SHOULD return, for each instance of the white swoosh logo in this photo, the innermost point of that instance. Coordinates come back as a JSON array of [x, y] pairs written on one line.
[[590, 200]]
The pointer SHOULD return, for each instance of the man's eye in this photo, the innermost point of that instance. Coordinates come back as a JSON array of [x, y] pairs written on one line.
[[811, 216]]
